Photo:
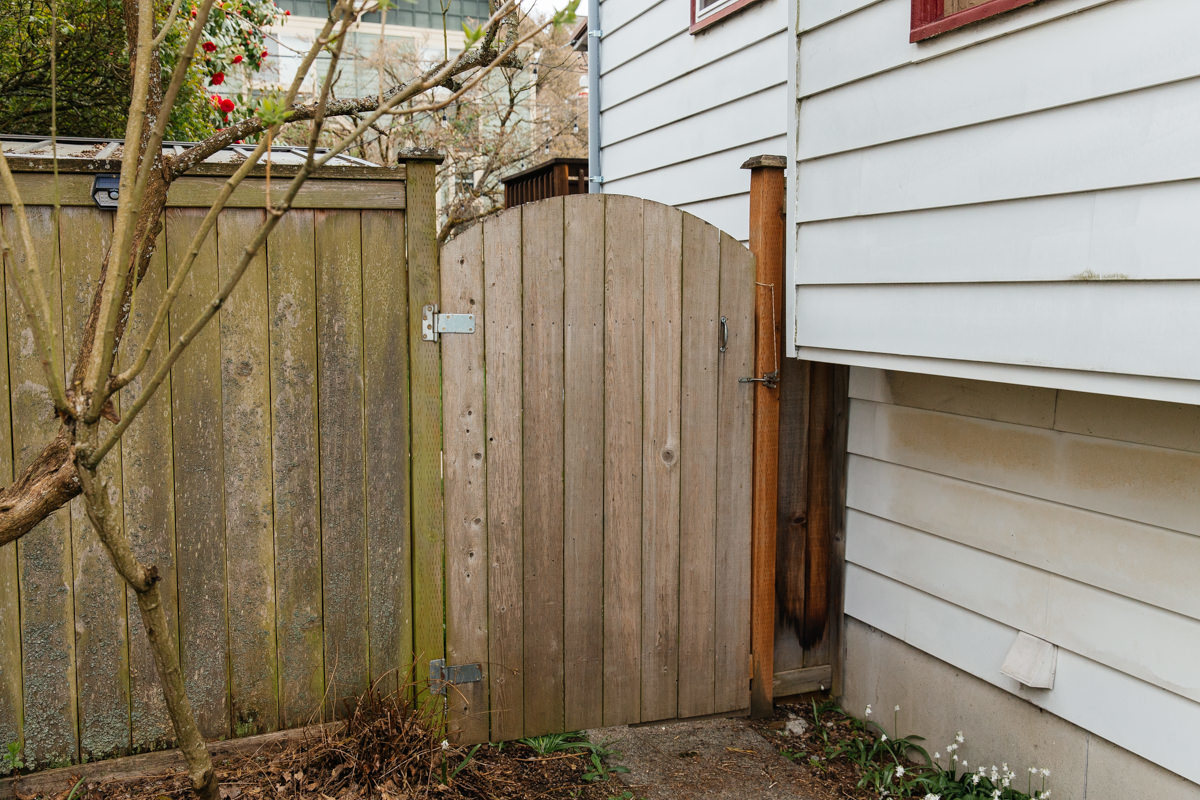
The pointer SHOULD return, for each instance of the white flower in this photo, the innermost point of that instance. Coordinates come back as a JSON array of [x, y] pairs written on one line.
[[897, 708], [932, 796], [883, 737], [964, 763], [868, 711], [1045, 773], [1033, 770], [445, 744], [899, 771], [958, 737], [975, 779], [936, 756]]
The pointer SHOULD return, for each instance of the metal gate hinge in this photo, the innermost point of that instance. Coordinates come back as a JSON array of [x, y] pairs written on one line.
[[434, 324], [770, 380], [441, 676]]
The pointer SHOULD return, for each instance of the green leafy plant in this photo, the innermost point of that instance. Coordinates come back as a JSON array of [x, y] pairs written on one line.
[[10, 760], [898, 766], [601, 771], [551, 743]]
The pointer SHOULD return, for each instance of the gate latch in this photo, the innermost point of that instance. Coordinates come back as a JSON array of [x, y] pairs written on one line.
[[441, 676], [770, 380], [434, 324]]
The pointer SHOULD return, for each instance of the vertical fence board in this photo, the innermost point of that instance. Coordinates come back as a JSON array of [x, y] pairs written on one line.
[[10, 607], [542, 243], [735, 410], [44, 554], [385, 375], [583, 644], [661, 367], [698, 457], [623, 227], [343, 543], [291, 275], [101, 652], [466, 484], [792, 515], [428, 536], [199, 477], [146, 468], [503, 336], [246, 426]]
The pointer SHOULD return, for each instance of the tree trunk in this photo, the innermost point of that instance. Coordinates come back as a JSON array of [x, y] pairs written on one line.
[[144, 581], [44, 486]]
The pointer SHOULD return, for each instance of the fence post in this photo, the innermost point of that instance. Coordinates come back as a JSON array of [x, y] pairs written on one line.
[[425, 364], [766, 242]]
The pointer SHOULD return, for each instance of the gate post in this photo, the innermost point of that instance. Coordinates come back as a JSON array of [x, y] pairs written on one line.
[[425, 396], [767, 211]]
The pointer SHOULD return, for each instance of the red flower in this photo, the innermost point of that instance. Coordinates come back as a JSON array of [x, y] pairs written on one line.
[[237, 59], [226, 105], [209, 47], [287, 13], [217, 79], [264, 54]]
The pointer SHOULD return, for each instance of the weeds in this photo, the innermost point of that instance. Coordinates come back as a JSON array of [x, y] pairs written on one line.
[[899, 767], [10, 760]]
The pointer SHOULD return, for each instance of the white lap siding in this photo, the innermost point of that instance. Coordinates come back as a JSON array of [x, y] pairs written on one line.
[[1014, 200], [977, 510], [680, 112]]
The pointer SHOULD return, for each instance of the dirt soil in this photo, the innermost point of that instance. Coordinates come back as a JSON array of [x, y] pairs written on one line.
[[386, 755], [734, 759]]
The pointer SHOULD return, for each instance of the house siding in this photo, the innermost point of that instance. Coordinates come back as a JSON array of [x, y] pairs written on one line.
[[680, 112], [976, 510], [1010, 201]]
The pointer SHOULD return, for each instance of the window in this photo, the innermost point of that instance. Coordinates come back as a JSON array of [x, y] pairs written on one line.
[[706, 12], [931, 17]]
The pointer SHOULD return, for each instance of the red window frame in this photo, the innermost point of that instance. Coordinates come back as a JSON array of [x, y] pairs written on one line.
[[929, 17], [720, 14]]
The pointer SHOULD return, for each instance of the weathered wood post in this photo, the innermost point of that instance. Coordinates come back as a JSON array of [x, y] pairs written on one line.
[[766, 242]]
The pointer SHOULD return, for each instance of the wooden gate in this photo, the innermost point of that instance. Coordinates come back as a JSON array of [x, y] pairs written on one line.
[[597, 453]]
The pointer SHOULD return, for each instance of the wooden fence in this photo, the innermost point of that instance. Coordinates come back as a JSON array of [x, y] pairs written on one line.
[[269, 479], [587, 543]]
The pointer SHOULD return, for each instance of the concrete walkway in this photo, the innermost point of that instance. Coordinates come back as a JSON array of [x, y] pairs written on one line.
[[715, 759]]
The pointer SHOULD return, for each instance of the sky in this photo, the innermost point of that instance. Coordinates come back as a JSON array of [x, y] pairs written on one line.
[[548, 6]]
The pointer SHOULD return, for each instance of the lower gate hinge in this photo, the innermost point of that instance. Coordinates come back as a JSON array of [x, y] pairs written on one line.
[[441, 676]]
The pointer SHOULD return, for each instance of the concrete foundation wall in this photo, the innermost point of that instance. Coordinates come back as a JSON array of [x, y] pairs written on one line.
[[937, 700]]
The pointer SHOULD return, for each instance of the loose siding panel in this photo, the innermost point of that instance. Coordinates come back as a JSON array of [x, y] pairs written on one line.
[[1087, 541]]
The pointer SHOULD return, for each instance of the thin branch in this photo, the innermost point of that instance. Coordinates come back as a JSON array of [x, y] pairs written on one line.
[[206, 225], [166, 29], [32, 291], [113, 290]]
